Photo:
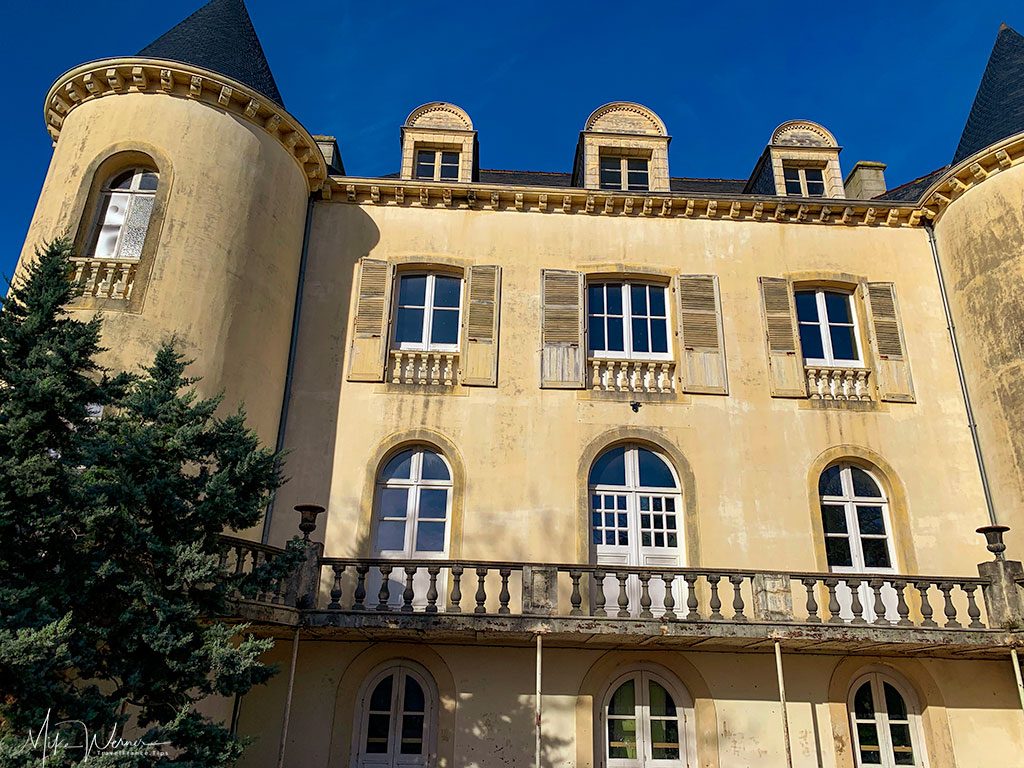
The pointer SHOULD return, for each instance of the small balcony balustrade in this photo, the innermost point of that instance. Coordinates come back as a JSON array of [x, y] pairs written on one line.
[[632, 375], [104, 278], [838, 383], [439, 369]]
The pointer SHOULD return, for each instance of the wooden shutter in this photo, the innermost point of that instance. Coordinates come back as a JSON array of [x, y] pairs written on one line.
[[785, 361], [892, 368], [480, 327], [701, 343], [563, 350], [370, 329]]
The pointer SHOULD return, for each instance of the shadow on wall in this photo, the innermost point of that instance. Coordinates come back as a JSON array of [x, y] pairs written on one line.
[[504, 736], [340, 235]]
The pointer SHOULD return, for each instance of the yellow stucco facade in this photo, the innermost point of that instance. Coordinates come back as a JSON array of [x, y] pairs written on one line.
[[294, 288]]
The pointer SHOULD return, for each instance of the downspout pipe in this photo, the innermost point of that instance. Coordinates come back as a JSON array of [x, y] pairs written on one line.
[[972, 425], [290, 374]]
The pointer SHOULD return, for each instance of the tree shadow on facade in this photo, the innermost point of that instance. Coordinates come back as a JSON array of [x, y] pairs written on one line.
[[504, 736]]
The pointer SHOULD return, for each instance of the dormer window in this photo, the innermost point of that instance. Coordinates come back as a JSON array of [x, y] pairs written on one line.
[[437, 165], [625, 173], [804, 182]]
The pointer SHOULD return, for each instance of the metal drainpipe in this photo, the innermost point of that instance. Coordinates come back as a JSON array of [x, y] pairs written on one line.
[[1016, 673], [288, 700], [286, 397], [782, 702], [536, 706], [951, 327]]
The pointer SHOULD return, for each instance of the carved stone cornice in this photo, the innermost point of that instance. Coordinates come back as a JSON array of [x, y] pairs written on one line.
[[109, 77], [971, 172], [563, 200]]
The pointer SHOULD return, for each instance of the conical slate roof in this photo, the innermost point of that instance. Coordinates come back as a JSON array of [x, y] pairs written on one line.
[[219, 37], [998, 109]]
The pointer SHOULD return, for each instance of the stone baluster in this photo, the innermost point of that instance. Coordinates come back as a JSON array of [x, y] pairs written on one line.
[[335, 603], [879, 607], [645, 596], [599, 596], [433, 571], [692, 614], [396, 368], [481, 590], [408, 593], [359, 596], [576, 599], [670, 600], [623, 595], [926, 607], [410, 367], [737, 598], [901, 603], [384, 595], [456, 596], [423, 368], [812, 384], [973, 612], [595, 374], [834, 610], [716, 601], [810, 585], [856, 608], [949, 609], [503, 595]]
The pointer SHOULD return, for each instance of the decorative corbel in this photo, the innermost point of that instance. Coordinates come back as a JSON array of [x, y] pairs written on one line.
[[74, 91], [224, 98], [893, 219], [915, 218], [166, 80], [589, 206], [956, 186], [325, 190], [495, 199], [400, 195], [627, 206], [542, 202], [847, 216], [60, 106], [609, 205], [689, 208], [978, 172], [758, 210], [825, 214], [375, 193], [93, 84], [350, 192], [648, 206], [424, 195], [666, 206], [869, 216], [1003, 158], [566, 203], [712, 208], [519, 201], [471, 197], [252, 108], [780, 212], [114, 79], [734, 210], [272, 123], [290, 140], [139, 79], [446, 196], [801, 213], [195, 87]]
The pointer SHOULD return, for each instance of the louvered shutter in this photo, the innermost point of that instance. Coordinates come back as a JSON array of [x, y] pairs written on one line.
[[785, 361], [370, 331], [892, 368], [701, 343], [480, 327], [563, 349]]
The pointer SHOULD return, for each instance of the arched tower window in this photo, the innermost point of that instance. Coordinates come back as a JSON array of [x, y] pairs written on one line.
[[885, 723], [643, 722], [636, 514], [123, 212], [397, 718]]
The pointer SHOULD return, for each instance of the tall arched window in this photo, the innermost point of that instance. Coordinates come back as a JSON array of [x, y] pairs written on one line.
[[885, 722], [123, 213], [412, 514], [397, 714], [858, 533], [643, 722], [635, 517]]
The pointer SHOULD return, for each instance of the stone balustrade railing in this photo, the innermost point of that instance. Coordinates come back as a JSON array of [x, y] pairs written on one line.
[[838, 383], [632, 375], [104, 278], [240, 558], [415, 367]]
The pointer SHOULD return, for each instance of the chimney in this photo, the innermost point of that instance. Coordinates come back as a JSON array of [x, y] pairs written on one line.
[[866, 180]]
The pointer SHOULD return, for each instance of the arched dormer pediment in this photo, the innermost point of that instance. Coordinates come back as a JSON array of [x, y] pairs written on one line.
[[625, 117], [803, 133], [439, 144], [623, 147], [439, 114]]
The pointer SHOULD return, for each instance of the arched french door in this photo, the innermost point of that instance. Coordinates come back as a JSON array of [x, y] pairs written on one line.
[[646, 721], [396, 719], [885, 723], [636, 519]]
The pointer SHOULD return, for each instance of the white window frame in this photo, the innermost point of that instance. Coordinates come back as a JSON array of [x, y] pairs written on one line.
[[414, 485], [627, 322], [424, 344], [829, 360], [133, 193], [801, 171], [642, 674], [850, 501], [882, 722], [623, 161], [402, 669], [438, 153]]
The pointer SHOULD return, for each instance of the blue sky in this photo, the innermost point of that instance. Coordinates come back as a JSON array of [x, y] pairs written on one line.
[[893, 81]]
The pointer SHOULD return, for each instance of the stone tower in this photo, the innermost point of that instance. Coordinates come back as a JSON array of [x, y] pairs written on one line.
[[185, 186]]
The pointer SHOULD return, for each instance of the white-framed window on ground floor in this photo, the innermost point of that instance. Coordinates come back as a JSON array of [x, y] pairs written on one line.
[[886, 723], [396, 718], [647, 722]]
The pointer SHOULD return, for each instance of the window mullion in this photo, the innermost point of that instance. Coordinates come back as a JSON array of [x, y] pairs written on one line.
[[428, 310], [826, 337], [627, 321]]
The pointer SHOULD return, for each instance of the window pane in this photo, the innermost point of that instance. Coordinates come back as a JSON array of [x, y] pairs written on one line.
[[447, 291], [622, 738], [837, 307], [430, 537], [613, 295], [425, 171], [381, 698], [148, 181], [810, 342], [123, 180], [445, 327], [135, 228], [637, 164], [864, 703], [394, 502], [895, 707], [837, 550], [806, 306], [869, 520], [409, 326], [611, 179], [434, 467], [638, 299], [412, 735], [654, 472], [377, 728], [614, 341], [412, 291], [399, 468], [665, 739], [391, 536], [843, 345], [595, 299], [833, 518], [659, 336], [793, 188], [640, 341], [815, 189], [433, 503], [414, 699], [595, 334], [610, 468], [662, 704], [863, 485], [624, 700], [831, 483], [814, 174], [657, 294], [876, 553], [791, 174], [867, 735]]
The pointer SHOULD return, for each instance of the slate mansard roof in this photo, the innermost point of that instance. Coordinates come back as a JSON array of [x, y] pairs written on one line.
[[219, 37]]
